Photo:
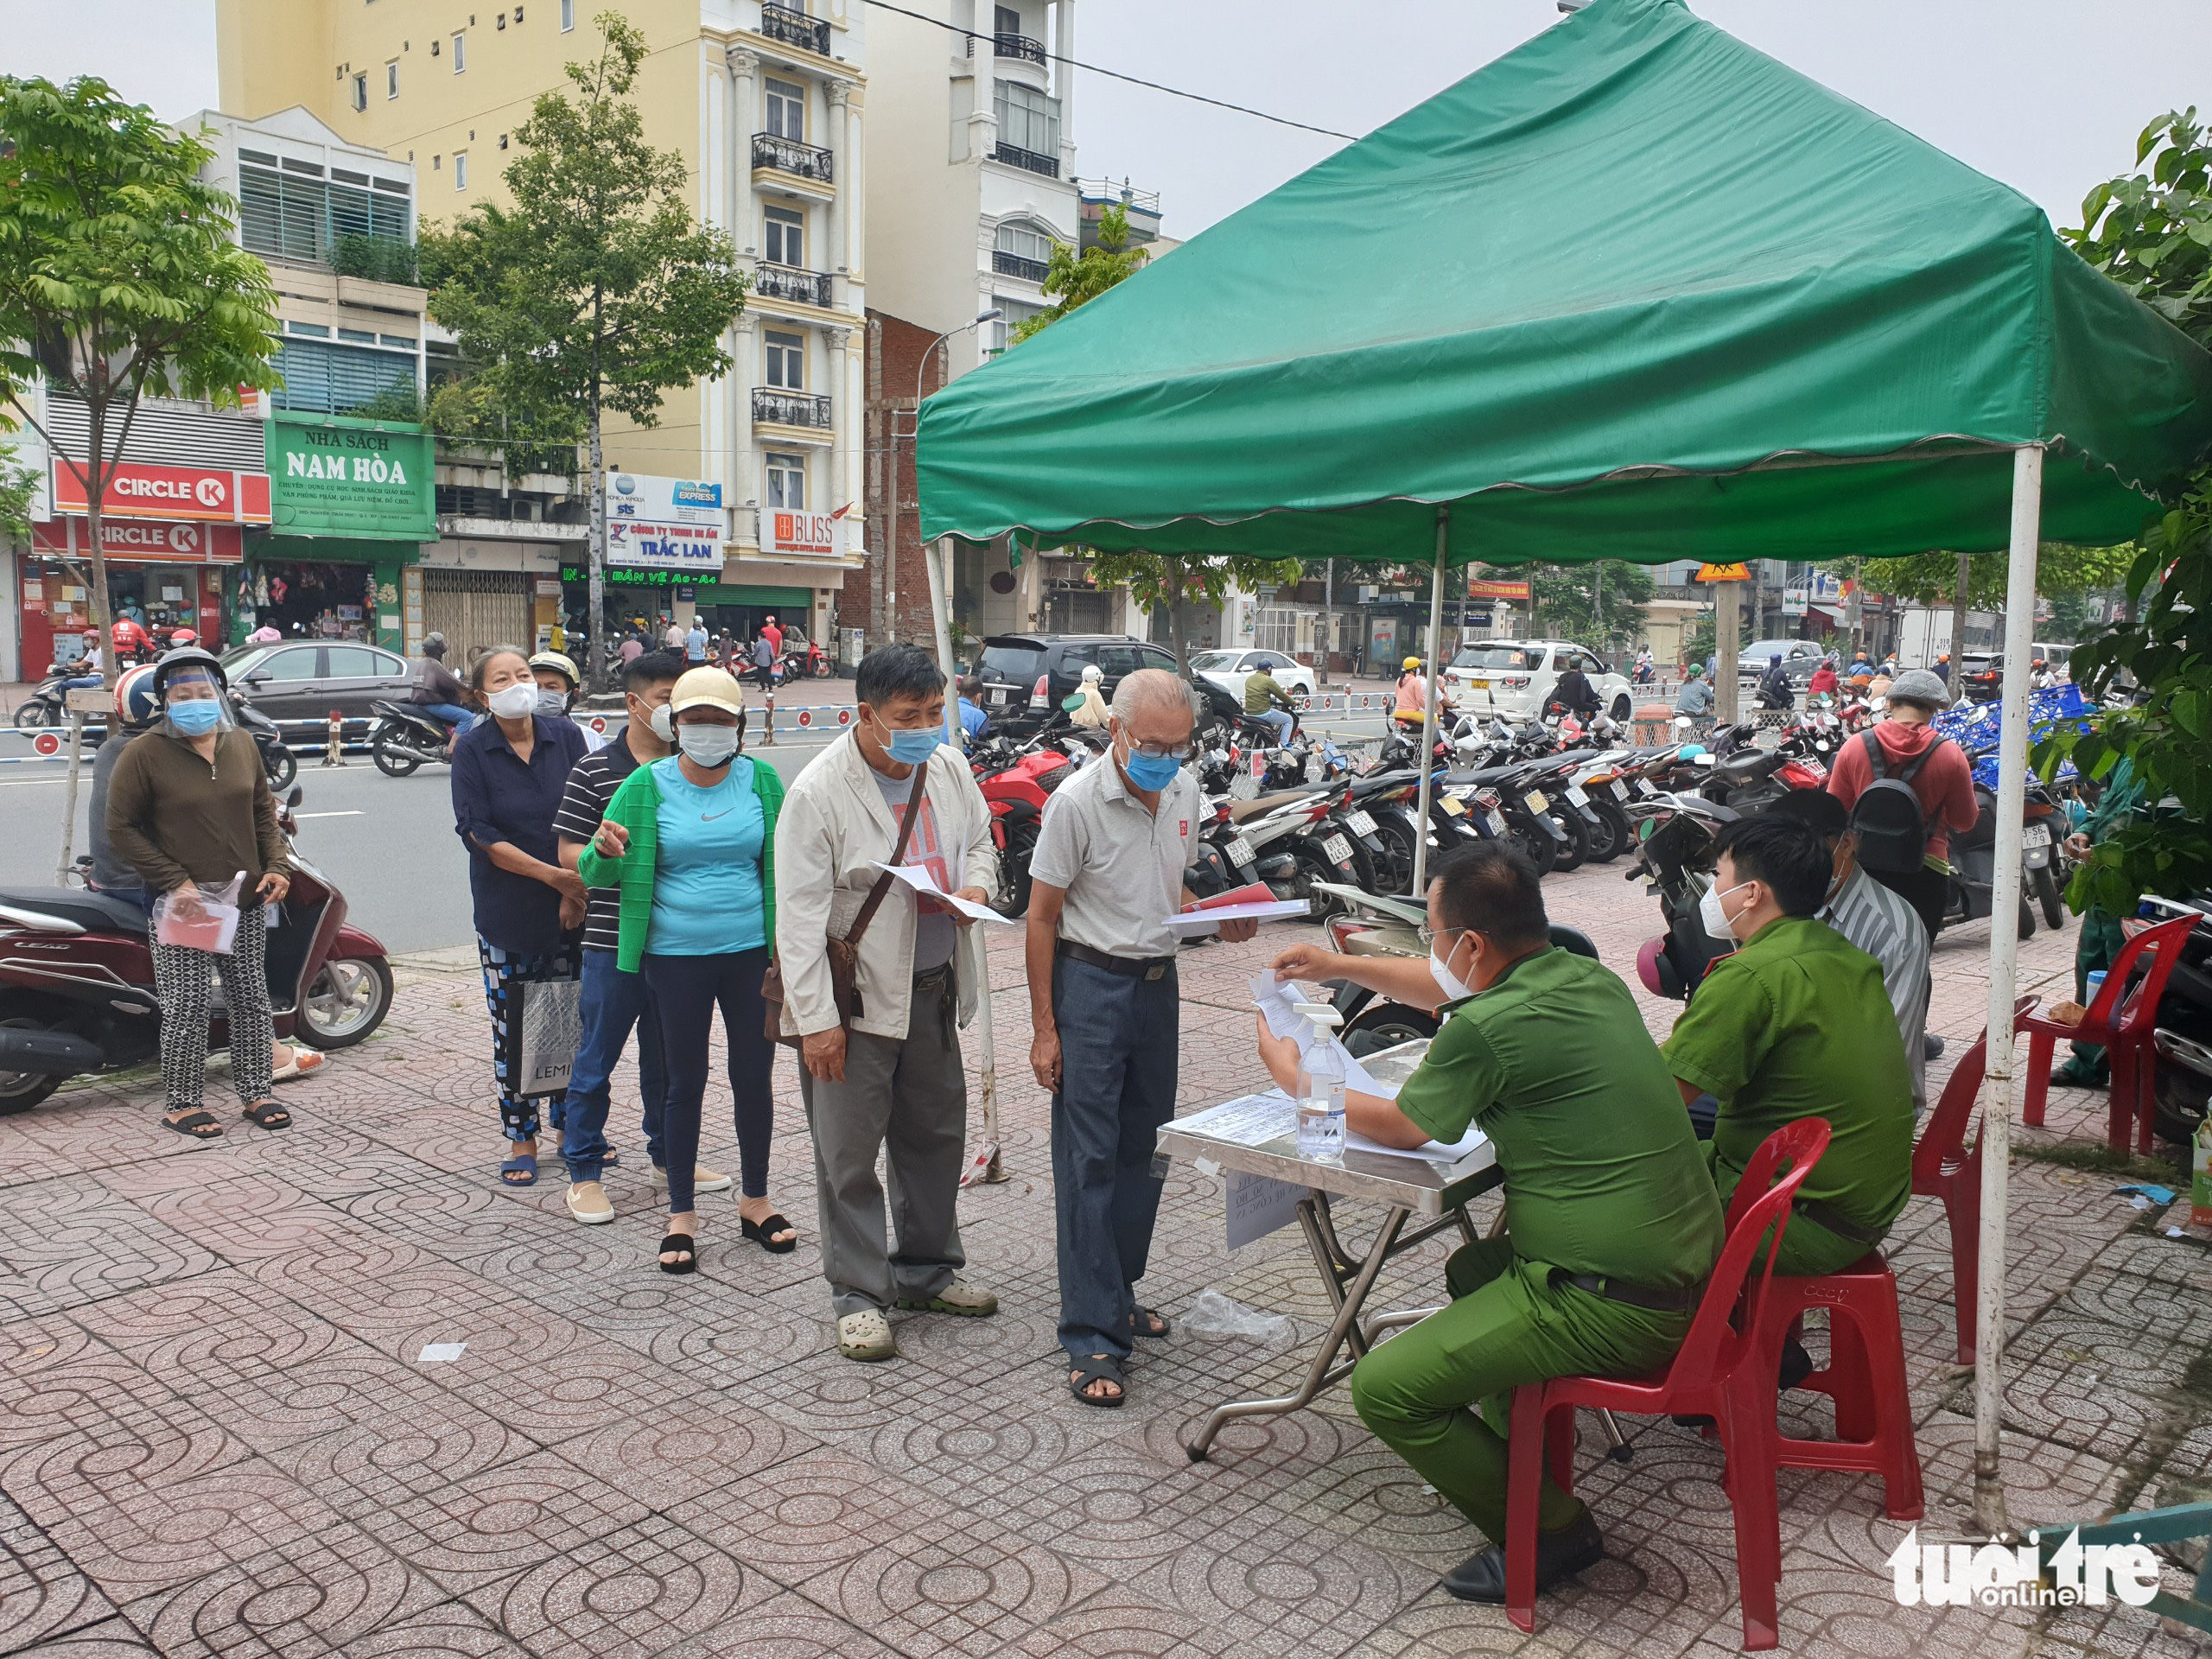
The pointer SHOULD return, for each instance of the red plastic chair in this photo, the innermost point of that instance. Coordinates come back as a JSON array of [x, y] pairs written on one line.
[[1944, 1167], [1716, 1374], [2124, 1030]]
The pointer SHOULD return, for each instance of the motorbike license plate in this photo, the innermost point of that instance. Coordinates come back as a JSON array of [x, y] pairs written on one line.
[[1619, 788], [1337, 848], [1497, 820], [1240, 851], [1577, 795], [1453, 807], [1001, 695], [1536, 800], [1643, 788], [1363, 823], [2037, 835], [1315, 763]]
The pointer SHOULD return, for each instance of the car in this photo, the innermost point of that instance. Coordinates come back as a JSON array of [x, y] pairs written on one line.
[[298, 682], [1026, 675], [1799, 658], [1230, 670], [1516, 678], [1982, 677]]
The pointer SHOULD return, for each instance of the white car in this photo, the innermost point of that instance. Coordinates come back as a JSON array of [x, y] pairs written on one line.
[[1516, 678], [1230, 670]]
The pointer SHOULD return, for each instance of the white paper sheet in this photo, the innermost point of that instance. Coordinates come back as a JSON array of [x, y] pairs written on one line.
[[1248, 1120], [1278, 1000], [435, 1353], [918, 878], [1189, 923], [1433, 1151]]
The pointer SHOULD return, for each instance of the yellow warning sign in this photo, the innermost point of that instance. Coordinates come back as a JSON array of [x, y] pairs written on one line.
[[1723, 573]]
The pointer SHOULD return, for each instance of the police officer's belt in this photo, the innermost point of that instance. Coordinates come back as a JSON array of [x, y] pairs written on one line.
[[1835, 1221], [1618, 1290], [1127, 967]]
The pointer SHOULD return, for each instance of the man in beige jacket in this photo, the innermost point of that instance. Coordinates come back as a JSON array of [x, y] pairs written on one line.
[[895, 1083]]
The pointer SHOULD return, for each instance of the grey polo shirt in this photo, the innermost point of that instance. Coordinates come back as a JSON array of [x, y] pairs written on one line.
[[1885, 928], [1122, 866]]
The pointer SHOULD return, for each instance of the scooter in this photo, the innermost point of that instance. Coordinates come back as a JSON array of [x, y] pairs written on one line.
[[1016, 779], [279, 762], [407, 736], [1970, 892], [77, 979], [45, 704], [2183, 1030]]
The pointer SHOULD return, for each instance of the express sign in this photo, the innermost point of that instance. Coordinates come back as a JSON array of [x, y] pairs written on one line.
[[137, 490], [143, 541]]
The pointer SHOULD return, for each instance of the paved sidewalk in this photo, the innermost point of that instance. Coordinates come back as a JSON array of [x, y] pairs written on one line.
[[217, 1435]]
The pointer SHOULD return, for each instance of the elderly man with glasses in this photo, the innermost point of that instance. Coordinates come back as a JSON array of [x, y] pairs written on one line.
[[1107, 875]]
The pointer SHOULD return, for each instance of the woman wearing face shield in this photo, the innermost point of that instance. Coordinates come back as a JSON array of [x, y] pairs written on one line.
[[189, 807], [508, 775], [689, 841]]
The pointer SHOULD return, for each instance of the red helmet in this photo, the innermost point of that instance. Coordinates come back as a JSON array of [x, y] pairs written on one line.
[[184, 637]]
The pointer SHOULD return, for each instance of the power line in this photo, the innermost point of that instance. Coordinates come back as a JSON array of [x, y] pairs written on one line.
[[1116, 75]]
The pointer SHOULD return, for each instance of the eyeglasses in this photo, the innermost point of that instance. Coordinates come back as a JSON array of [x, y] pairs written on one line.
[[1161, 751], [1429, 935]]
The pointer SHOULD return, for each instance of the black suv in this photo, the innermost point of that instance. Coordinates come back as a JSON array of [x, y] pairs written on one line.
[[1027, 674]]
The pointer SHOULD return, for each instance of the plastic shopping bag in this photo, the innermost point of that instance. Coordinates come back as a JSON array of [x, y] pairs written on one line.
[[198, 918]]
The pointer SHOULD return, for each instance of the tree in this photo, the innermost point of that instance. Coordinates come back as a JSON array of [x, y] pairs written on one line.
[[597, 290], [1079, 277], [1599, 604], [2153, 234], [118, 280], [1155, 579]]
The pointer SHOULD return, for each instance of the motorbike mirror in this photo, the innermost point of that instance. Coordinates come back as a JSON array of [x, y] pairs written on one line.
[[1878, 704], [296, 796]]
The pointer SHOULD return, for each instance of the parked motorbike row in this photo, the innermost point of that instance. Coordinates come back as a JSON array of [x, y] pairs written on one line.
[[46, 705]]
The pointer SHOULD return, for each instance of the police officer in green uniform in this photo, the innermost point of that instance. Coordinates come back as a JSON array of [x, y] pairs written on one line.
[[1796, 1024], [2101, 935], [1613, 1222]]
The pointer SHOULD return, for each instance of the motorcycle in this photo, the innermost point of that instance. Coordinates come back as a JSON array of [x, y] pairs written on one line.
[[77, 979], [1675, 862], [406, 735], [1016, 779], [1970, 890], [2182, 1031], [46, 704], [279, 762]]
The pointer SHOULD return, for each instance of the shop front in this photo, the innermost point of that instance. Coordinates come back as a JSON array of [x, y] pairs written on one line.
[[480, 594], [351, 505], [165, 574]]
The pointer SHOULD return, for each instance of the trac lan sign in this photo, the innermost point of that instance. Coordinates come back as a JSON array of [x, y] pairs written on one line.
[[369, 480]]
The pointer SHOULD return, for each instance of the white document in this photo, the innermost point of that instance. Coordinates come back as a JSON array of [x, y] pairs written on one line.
[[1277, 999], [1249, 1120], [1433, 1151], [441, 1353], [918, 878], [1190, 924], [1257, 1206]]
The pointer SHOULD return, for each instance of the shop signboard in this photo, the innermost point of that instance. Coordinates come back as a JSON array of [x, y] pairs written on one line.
[[365, 480], [786, 534], [665, 524], [143, 541], [1479, 588], [136, 489]]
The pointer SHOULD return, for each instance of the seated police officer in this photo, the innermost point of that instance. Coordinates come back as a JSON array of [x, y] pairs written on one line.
[[1796, 1024], [1612, 1223]]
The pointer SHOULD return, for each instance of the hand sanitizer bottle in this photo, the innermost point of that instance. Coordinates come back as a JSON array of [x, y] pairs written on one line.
[[1321, 1087]]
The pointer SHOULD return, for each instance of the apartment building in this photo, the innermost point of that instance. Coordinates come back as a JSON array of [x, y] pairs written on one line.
[[765, 103]]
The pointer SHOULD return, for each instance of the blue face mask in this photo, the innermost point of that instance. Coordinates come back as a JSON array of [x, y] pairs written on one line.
[[196, 718], [913, 749], [1151, 772]]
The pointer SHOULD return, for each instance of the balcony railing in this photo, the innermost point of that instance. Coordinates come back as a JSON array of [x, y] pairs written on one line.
[[1012, 46], [788, 156], [793, 27], [1013, 264], [1029, 160], [790, 407], [788, 282]]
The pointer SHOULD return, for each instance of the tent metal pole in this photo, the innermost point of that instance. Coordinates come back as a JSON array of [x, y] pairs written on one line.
[[1428, 720], [1997, 1091]]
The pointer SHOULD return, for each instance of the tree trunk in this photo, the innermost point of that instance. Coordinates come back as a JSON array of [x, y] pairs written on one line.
[[96, 472], [1959, 618], [595, 653]]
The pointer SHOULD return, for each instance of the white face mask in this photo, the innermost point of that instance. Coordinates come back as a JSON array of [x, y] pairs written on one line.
[[1450, 984], [707, 745], [513, 702], [663, 721], [1714, 914]]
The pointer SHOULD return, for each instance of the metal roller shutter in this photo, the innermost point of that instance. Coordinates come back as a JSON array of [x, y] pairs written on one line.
[[477, 609]]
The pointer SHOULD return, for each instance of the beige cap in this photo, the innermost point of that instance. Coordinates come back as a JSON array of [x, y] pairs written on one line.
[[706, 688]]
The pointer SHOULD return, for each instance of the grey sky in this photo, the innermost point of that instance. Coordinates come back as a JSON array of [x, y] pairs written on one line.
[[2046, 95]]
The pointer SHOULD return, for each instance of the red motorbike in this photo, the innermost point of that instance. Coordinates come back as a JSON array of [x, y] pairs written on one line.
[[77, 979], [1016, 780]]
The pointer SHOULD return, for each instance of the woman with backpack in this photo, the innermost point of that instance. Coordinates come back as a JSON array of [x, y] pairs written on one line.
[[1903, 783]]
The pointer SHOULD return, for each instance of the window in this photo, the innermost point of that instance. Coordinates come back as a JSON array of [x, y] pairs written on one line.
[[1017, 312], [568, 15], [297, 664], [787, 109], [331, 379], [460, 53], [360, 92], [318, 331], [1005, 19], [1025, 242], [1115, 661], [360, 336], [1027, 119], [786, 238], [352, 663], [1155, 657], [787, 362], [391, 78], [787, 482], [460, 170]]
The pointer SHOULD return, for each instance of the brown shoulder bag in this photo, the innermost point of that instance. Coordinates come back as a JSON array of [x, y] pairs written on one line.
[[844, 954]]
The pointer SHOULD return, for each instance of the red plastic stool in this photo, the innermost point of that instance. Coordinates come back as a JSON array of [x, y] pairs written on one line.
[[1865, 1377]]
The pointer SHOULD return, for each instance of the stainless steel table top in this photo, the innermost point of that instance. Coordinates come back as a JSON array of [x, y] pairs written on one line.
[[1425, 1186]]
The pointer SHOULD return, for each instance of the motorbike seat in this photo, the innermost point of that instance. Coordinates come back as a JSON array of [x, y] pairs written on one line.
[[96, 912], [1261, 805]]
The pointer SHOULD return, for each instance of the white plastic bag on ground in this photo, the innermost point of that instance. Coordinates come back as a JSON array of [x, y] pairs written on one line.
[[1212, 1314]]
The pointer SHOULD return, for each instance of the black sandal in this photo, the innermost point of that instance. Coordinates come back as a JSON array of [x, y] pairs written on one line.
[[1099, 1367], [763, 1233], [268, 1115], [1150, 1326], [685, 1245], [199, 1125]]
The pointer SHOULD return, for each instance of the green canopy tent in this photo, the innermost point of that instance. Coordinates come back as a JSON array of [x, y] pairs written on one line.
[[1634, 290]]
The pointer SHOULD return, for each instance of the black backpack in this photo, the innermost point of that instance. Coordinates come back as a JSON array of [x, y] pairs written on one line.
[[1888, 820]]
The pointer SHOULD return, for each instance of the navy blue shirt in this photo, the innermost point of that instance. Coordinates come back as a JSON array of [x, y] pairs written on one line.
[[496, 797]]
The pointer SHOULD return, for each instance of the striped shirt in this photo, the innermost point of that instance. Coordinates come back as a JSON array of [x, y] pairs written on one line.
[[1882, 925], [592, 783]]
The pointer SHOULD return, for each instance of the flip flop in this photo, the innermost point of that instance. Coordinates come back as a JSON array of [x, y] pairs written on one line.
[[268, 1115], [525, 1165], [198, 1125], [1098, 1367]]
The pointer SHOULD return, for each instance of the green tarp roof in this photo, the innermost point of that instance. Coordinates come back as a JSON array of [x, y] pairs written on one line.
[[1628, 292]]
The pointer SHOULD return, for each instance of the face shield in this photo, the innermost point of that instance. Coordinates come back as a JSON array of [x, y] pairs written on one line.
[[192, 703]]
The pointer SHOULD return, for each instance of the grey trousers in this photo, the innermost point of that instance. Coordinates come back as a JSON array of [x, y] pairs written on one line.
[[908, 1099]]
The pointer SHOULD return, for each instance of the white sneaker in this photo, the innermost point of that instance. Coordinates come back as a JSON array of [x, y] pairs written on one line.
[[588, 1204], [703, 1180], [866, 1336]]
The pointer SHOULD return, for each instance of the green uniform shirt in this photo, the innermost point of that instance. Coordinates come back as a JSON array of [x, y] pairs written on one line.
[[1796, 1024], [1602, 1173]]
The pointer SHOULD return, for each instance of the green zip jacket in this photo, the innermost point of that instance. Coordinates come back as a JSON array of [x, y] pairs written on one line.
[[636, 807]]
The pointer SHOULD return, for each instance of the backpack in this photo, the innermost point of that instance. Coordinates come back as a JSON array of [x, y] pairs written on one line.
[[1888, 818]]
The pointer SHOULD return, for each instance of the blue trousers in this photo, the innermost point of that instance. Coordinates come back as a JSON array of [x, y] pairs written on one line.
[[613, 1002], [1117, 1088], [1278, 718], [451, 712]]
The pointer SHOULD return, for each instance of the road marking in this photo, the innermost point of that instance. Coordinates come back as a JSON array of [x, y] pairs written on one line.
[[353, 814]]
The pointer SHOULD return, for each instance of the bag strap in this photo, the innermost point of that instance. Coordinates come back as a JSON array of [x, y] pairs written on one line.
[[1875, 758], [1912, 768], [874, 899]]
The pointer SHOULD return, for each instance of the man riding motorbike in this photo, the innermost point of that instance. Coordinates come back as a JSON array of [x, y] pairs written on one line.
[[1267, 702], [1774, 689], [438, 690]]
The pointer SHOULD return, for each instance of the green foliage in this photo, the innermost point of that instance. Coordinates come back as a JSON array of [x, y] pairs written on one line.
[[1157, 580], [1933, 578], [1599, 605], [468, 410], [118, 277], [1078, 276], [376, 259], [1702, 638], [18, 485], [2151, 232]]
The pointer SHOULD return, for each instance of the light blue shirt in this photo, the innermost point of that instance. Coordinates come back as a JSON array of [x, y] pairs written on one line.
[[707, 895]]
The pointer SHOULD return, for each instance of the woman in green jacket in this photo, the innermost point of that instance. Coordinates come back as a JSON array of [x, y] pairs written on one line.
[[690, 840]]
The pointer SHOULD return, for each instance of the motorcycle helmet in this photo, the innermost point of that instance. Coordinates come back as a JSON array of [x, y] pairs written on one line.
[[136, 703], [183, 637], [189, 657], [1410, 665], [191, 663], [560, 663]]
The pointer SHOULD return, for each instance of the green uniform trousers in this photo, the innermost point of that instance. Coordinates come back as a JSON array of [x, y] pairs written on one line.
[[1808, 1250], [1508, 1324], [2099, 943]]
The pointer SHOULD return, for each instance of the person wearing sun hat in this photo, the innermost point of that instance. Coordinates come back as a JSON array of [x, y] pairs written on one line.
[[691, 843]]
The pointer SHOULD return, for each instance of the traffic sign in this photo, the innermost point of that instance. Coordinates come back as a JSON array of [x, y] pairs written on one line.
[[1723, 573], [46, 743]]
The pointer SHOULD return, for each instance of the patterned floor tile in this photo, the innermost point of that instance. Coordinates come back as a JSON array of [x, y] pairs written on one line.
[[501, 1522], [142, 1543], [689, 1448], [789, 1626], [314, 1596], [42, 1595], [641, 1589]]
